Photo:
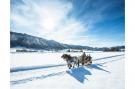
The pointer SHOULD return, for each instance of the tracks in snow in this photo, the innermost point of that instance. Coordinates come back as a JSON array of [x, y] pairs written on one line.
[[55, 73], [18, 69]]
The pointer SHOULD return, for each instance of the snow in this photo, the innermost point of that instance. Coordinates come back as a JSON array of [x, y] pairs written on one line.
[[48, 71]]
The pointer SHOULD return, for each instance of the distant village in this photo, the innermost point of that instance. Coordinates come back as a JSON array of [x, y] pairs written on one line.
[[111, 49]]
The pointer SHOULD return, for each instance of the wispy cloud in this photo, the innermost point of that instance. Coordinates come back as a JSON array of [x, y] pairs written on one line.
[[66, 21], [50, 20]]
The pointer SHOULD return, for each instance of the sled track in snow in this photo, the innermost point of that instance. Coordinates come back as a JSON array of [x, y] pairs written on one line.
[[50, 66], [36, 78], [92, 66], [34, 67], [108, 57]]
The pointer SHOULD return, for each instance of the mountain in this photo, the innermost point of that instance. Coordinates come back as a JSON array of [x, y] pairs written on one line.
[[28, 41]]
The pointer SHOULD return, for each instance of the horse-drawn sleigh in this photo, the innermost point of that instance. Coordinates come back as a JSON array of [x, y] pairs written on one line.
[[73, 61]]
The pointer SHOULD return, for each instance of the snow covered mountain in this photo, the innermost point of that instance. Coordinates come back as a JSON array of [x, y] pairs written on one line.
[[28, 41]]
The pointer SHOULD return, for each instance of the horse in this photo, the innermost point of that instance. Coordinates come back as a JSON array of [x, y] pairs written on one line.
[[84, 59], [88, 60], [71, 60]]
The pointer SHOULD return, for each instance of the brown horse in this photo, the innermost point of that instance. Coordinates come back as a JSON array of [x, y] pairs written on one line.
[[88, 60], [84, 60]]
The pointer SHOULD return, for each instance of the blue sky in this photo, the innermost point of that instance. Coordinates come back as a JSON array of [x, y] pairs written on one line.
[[96, 23]]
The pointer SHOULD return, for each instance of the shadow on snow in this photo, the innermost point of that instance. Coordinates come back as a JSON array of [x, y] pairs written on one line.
[[98, 67], [78, 73], [81, 72], [49, 66]]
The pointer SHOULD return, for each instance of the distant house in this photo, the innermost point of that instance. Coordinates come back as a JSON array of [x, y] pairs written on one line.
[[21, 50], [112, 49], [74, 50], [25, 50], [122, 50]]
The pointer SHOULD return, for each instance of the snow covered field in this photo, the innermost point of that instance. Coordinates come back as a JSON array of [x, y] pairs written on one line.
[[49, 71]]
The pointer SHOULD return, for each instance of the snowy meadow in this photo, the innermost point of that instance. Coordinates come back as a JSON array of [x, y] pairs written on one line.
[[49, 71]]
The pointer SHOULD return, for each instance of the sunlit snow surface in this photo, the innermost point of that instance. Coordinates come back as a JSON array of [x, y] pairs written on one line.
[[49, 71]]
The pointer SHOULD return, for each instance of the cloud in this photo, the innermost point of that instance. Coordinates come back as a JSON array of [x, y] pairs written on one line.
[[50, 19], [66, 21]]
